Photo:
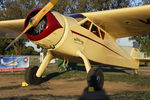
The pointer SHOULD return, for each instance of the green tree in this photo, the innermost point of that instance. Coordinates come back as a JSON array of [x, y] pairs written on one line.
[[1, 8], [2, 4], [29, 51], [3, 45], [146, 1], [144, 42], [15, 9], [19, 8], [18, 48]]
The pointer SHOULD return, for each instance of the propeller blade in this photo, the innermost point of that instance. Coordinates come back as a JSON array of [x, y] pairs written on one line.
[[13, 41], [35, 20], [44, 11], [18, 37]]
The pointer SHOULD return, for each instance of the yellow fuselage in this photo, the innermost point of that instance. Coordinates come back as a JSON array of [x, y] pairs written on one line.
[[66, 41]]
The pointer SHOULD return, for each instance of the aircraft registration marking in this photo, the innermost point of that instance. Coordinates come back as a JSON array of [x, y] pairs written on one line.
[[78, 41], [96, 42]]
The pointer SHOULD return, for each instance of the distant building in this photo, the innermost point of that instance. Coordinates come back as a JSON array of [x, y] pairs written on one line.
[[42, 58]]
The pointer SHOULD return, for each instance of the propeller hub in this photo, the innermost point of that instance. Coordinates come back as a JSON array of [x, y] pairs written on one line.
[[31, 21], [47, 25]]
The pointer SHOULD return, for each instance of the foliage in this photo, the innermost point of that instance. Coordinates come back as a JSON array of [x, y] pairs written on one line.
[[18, 48], [2, 3], [146, 1], [20, 9], [78, 6], [29, 51], [144, 42], [3, 45]]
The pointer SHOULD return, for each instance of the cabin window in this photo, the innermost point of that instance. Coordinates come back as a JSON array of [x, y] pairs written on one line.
[[95, 30], [102, 34], [86, 25]]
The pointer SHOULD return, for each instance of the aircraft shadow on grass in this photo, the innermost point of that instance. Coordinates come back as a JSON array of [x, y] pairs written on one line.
[[86, 95], [82, 68], [113, 69], [97, 95], [105, 69], [51, 76]]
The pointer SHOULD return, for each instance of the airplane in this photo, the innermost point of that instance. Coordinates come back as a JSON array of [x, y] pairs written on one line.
[[84, 37], [11, 63]]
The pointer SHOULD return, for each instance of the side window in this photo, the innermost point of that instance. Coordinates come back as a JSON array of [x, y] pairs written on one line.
[[95, 30], [86, 25], [102, 34]]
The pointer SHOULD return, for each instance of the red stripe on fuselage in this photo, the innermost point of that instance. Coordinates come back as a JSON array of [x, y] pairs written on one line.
[[96, 42]]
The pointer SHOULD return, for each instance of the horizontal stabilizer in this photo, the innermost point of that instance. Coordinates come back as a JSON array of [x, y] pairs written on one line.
[[143, 59]]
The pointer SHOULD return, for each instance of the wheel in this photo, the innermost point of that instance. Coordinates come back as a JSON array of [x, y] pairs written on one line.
[[95, 78], [30, 76]]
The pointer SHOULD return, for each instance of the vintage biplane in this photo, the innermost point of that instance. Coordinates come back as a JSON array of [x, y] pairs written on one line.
[[84, 37]]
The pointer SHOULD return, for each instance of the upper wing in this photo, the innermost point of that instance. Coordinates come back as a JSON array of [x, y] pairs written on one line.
[[11, 28], [123, 22]]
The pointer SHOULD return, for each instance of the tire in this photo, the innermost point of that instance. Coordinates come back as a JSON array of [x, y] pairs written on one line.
[[30, 76], [95, 78]]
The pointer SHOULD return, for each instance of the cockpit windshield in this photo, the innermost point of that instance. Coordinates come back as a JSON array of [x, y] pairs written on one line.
[[78, 17]]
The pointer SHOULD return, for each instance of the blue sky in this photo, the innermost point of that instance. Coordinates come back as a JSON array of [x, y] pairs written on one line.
[[125, 42]]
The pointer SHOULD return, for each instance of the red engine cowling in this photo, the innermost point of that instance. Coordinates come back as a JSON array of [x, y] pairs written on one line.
[[51, 23]]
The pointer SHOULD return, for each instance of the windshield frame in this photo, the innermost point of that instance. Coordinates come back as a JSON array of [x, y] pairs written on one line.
[[77, 17]]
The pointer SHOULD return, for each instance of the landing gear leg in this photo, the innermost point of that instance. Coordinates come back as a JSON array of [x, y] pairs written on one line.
[[33, 74], [85, 60], [95, 77]]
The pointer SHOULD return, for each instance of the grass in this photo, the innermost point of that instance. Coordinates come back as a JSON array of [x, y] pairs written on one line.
[[121, 96], [75, 75], [11, 73], [42, 97], [128, 95], [10, 87], [141, 80]]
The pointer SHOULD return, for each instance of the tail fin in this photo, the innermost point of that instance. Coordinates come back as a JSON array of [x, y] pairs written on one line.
[[134, 52]]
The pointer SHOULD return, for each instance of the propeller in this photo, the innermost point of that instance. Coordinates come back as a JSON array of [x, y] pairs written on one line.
[[35, 20]]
